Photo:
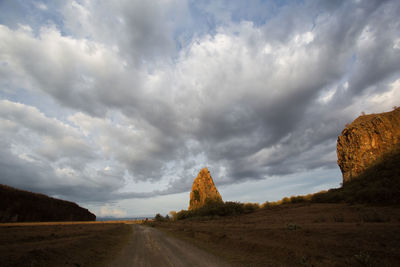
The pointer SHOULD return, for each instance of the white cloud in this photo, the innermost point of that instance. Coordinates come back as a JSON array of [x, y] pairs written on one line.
[[41, 6], [387, 99], [109, 211]]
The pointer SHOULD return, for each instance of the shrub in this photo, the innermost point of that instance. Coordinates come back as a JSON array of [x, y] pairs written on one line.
[[250, 207], [196, 195], [183, 214], [174, 215], [218, 208], [293, 226], [159, 218], [285, 200], [297, 199]]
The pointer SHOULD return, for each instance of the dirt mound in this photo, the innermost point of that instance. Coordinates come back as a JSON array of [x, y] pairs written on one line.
[[23, 206]]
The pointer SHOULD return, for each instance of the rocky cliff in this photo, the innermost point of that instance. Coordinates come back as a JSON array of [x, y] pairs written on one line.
[[23, 206], [366, 140], [203, 190]]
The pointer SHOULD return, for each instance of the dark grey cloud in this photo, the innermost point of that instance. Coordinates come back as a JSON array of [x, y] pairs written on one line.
[[262, 94]]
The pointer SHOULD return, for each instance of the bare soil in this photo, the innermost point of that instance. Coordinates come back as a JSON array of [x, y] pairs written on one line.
[[151, 247], [61, 244], [299, 235]]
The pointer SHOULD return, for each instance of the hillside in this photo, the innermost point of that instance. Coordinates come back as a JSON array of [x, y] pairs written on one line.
[[378, 184], [23, 206]]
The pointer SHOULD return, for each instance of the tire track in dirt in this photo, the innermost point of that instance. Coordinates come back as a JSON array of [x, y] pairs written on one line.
[[151, 247]]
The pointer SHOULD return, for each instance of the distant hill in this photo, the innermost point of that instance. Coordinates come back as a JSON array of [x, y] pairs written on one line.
[[23, 206]]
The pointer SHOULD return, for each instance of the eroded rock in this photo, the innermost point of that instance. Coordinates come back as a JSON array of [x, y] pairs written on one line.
[[366, 140], [203, 190]]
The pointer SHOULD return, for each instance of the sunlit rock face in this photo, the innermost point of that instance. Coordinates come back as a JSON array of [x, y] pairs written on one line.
[[366, 140], [203, 190]]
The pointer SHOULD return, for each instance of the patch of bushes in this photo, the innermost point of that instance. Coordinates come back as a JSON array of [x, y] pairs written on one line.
[[160, 218], [287, 200], [218, 208]]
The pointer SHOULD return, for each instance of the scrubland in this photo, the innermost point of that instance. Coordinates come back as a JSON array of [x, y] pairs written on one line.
[[303, 234], [61, 243], [357, 224]]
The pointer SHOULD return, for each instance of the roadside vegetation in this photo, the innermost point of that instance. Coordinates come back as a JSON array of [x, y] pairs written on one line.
[[212, 209]]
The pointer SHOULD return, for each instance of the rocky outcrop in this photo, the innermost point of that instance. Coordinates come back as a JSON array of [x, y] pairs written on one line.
[[366, 140], [23, 206], [203, 190]]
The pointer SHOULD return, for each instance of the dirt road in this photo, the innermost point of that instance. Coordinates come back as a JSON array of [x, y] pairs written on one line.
[[151, 247]]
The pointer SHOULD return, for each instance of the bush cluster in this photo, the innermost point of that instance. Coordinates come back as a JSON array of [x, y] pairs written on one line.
[[160, 218], [218, 208]]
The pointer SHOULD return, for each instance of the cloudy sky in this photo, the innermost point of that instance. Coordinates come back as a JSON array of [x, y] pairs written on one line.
[[117, 105]]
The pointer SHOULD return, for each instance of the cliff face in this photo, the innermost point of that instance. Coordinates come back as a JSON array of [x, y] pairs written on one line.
[[23, 206], [366, 140], [203, 190]]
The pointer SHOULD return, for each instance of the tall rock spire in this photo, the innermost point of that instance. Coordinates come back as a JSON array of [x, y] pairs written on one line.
[[203, 190]]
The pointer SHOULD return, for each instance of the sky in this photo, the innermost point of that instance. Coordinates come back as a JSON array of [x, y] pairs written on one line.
[[117, 105]]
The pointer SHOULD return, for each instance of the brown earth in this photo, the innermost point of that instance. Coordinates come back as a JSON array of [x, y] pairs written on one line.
[[366, 140], [61, 244], [150, 247], [305, 234], [109, 244], [299, 235]]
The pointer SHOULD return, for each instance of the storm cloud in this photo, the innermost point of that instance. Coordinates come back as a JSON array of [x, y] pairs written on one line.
[[99, 97]]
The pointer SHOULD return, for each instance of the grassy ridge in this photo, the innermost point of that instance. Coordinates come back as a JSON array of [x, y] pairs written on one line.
[[379, 184], [23, 206]]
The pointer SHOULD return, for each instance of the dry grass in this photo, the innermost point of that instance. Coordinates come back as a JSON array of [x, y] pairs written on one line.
[[305, 234], [61, 244]]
